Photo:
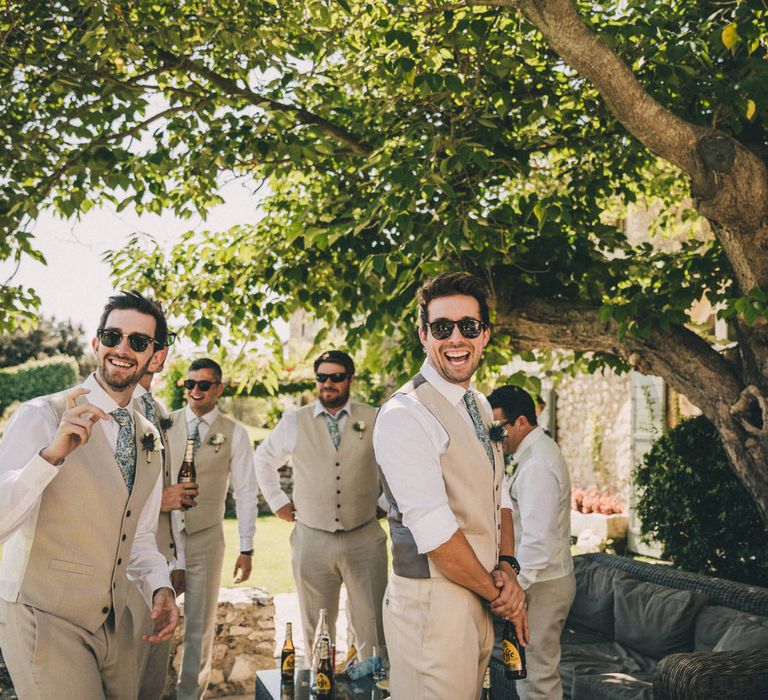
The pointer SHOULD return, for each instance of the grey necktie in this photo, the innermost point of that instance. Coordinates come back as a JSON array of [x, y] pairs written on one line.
[[333, 429], [126, 446], [194, 432], [482, 432], [149, 409]]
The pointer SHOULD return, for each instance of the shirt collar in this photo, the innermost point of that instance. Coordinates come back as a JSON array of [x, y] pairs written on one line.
[[527, 442], [318, 409], [207, 418], [98, 395], [453, 392]]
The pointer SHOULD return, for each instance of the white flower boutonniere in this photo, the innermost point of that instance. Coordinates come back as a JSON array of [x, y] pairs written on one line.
[[510, 465], [150, 444], [359, 427], [217, 440]]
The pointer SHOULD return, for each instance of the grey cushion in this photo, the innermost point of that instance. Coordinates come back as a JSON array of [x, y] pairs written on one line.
[[613, 686], [748, 632], [571, 635], [592, 608], [655, 620], [711, 625], [604, 657]]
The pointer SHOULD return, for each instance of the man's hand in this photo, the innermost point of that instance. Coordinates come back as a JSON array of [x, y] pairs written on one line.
[[243, 566], [165, 615], [178, 497], [74, 428], [510, 603], [287, 513], [179, 581]]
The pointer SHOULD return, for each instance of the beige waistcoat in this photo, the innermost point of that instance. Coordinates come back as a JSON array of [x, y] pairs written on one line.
[[335, 489], [85, 529], [472, 485], [212, 467]]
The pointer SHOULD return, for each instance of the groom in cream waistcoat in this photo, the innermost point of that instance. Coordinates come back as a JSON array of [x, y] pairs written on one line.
[[80, 489]]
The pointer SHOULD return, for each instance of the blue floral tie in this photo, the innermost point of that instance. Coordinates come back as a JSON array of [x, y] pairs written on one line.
[[194, 432], [149, 409], [482, 432], [333, 429], [126, 446]]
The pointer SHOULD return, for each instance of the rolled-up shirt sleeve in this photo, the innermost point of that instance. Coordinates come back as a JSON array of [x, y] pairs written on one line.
[[406, 450], [273, 452]]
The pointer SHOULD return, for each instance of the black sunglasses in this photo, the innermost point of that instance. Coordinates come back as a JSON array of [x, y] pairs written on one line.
[[138, 342], [204, 384], [442, 328], [336, 377]]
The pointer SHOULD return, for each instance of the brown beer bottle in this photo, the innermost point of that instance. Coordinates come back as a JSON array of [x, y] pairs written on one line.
[[187, 473], [513, 654], [288, 657], [324, 678]]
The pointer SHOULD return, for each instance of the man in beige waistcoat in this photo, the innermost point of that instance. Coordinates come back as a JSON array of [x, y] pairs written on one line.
[[80, 489], [452, 547], [222, 454], [337, 538]]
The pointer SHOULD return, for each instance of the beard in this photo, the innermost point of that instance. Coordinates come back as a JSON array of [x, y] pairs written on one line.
[[118, 379], [333, 401]]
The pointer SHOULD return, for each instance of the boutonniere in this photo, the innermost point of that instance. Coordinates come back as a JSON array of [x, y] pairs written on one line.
[[150, 444], [359, 427], [166, 423], [510, 465], [497, 431], [217, 440]]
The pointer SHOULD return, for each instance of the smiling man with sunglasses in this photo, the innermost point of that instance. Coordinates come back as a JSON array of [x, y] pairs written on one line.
[[79, 498], [442, 478], [222, 454], [337, 538]]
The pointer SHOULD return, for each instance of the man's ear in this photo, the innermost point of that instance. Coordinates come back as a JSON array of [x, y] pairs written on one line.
[[158, 360], [422, 336]]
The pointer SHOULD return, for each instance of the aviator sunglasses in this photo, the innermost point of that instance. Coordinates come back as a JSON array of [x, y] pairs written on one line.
[[336, 377], [138, 342], [204, 384], [442, 328]]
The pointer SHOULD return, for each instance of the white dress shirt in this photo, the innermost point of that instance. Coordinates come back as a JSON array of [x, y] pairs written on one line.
[[24, 475], [408, 441], [242, 477], [539, 496]]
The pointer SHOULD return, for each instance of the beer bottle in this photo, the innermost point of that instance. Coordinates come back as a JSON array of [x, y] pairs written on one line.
[[513, 653], [187, 473], [288, 657], [486, 694], [324, 678]]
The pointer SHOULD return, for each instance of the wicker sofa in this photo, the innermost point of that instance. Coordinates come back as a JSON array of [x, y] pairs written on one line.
[[643, 631]]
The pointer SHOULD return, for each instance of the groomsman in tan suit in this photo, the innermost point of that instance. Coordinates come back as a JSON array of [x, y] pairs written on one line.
[[337, 538], [80, 489], [223, 453], [452, 548]]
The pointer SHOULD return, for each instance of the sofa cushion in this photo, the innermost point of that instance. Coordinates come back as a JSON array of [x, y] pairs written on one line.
[[572, 635], [603, 657], [613, 686], [655, 620], [711, 625], [592, 607], [748, 632]]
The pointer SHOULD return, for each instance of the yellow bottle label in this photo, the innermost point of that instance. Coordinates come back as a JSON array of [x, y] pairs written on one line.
[[511, 656], [289, 662], [323, 682]]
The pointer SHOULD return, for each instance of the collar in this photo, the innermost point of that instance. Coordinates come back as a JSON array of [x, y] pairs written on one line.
[[208, 418], [318, 408], [528, 441], [99, 397], [454, 393]]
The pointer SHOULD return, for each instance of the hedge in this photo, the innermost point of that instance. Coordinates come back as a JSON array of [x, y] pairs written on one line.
[[36, 378]]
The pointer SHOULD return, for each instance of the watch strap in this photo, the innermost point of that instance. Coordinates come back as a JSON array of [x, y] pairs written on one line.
[[511, 561]]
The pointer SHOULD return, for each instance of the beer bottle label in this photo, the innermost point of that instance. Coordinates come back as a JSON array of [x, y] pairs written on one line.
[[512, 659], [289, 662], [323, 682]]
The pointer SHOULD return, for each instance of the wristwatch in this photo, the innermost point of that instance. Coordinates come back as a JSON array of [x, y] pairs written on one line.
[[511, 561], [248, 553]]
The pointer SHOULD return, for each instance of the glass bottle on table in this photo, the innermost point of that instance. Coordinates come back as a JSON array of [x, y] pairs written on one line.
[[324, 676], [321, 634], [288, 656]]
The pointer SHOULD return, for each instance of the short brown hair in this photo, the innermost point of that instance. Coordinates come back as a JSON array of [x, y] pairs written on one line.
[[447, 284]]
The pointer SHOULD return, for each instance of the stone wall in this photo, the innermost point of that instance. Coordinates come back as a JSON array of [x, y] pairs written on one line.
[[244, 643]]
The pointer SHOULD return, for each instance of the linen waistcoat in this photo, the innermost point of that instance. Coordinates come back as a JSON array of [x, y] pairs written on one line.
[[335, 489], [473, 488], [212, 467], [85, 529]]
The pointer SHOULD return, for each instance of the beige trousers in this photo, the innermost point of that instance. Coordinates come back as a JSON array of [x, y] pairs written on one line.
[[49, 658], [439, 639], [548, 606], [151, 659], [323, 560], [204, 553]]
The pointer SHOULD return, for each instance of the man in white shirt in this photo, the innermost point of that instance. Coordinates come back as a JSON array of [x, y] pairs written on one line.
[[337, 538], [80, 489], [538, 494], [452, 547], [222, 454]]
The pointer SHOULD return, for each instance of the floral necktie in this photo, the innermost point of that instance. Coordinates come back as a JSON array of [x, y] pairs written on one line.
[[149, 409], [126, 446], [333, 429], [194, 432], [482, 432]]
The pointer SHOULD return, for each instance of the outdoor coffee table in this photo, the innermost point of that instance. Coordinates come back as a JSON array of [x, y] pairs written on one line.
[[268, 687]]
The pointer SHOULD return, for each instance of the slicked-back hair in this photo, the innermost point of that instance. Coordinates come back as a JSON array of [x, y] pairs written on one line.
[[513, 402], [448, 284], [207, 363], [134, 301]]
